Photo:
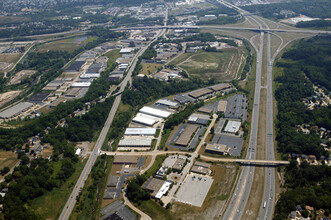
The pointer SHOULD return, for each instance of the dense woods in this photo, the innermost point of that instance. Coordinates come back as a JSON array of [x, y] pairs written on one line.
[[146, 90], [306, 185], [315, 9], [314, 24], [293, 87], [308, 60]]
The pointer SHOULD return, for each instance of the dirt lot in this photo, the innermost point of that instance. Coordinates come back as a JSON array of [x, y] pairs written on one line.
[[224, 176], [18, 77], [46, 152], [7, 96]]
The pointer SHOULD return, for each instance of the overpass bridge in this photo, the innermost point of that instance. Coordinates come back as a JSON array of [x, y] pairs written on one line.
[[243, 162]]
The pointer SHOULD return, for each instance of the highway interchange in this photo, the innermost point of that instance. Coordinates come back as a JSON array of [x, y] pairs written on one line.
[[237, 203]]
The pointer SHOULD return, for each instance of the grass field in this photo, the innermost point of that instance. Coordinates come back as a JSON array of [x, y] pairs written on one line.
[[69, 44], [8, 159], [113, 55], [211, 65], [10, 58], [148, 68], [50, 205], [12, 19]]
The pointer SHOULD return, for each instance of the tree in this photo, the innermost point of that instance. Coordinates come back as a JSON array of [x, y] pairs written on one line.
[[5, 170], [25, 160]]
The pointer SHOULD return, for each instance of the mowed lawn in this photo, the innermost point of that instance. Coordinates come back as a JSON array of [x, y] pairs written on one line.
[[50, 205], [206, 62], [207, 65]]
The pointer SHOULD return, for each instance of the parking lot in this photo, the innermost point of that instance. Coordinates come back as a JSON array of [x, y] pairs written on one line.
[[194, 189], [234, 143]]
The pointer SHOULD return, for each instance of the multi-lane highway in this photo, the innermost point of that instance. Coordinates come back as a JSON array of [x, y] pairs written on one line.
[[242, 191]]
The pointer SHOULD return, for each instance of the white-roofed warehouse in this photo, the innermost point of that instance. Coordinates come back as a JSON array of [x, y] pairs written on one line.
[[145, 119], [133, 142], [232, 126], [155, 112], [140, 131]]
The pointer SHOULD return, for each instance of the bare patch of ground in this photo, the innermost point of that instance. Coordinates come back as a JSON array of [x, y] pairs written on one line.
[[18, 77], [8, 96]]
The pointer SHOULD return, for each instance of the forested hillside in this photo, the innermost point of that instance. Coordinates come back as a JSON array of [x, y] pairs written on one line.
[[306, 185], [307, 58]]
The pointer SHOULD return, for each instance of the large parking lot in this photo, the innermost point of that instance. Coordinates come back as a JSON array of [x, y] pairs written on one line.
[[234, 143], [194, 189]]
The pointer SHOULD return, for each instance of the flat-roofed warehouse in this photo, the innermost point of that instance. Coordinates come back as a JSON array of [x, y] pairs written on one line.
[[221, 107], [200, 93], [154, 185], [135, 142], [124, 159], [182, 99], [220, 149], [155, 112], [178, 165], [75, 66], [232, 126], [39, 97], [186, 136], [198, 119], [200, 167], [220, 87], [205, 109], [113, 181], [15, 110], [140, 132], [53, 85], [145, 119], [167, 103]]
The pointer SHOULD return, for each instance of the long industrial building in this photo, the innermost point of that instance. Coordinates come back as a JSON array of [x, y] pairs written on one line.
[[15, 110], [168, 103], [140, 132], [135, 142], [155, 112], [145, 119], [200, 93], [186, 136]]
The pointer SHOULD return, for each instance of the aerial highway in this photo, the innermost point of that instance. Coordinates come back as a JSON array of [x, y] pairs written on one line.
[[238, 201], [242, 190], [240, 196]]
